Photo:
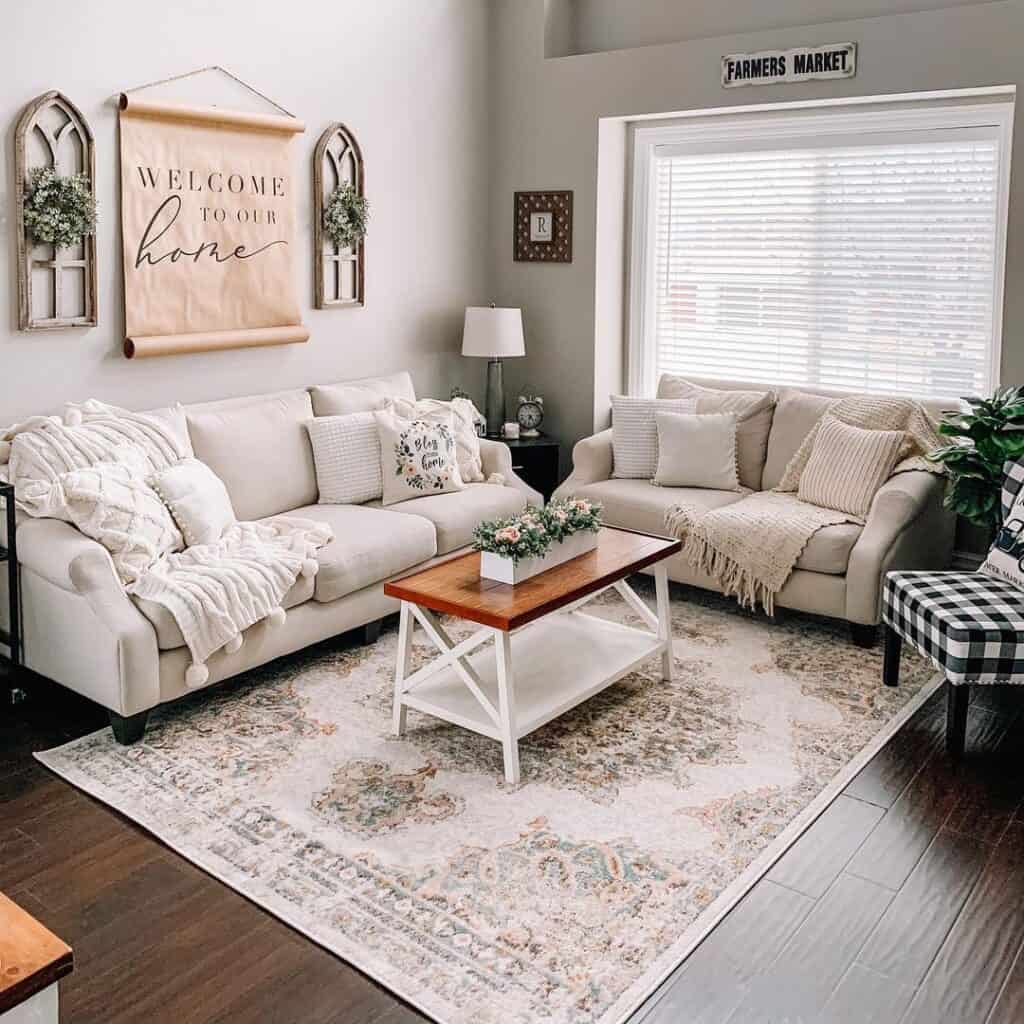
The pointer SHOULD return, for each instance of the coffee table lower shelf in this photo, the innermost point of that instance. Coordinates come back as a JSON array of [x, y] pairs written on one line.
[[534, 674]]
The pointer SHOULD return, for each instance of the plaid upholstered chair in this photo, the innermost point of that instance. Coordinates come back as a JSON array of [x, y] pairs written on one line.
[[969, 624]]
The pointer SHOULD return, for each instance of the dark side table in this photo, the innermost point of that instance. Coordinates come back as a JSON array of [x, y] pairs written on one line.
[[535, 460]]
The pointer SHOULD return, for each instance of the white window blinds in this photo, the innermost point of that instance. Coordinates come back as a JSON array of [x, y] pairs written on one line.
[[863, 262]]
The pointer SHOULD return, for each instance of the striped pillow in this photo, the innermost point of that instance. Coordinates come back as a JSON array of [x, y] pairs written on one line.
[[635, 433], [346, 451], [847, 465]]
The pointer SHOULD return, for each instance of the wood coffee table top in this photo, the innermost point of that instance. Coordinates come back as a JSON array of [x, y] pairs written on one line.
[[456, 588], [31, 957]]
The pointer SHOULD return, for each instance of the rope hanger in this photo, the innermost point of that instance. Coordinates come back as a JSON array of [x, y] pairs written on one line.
[[200, 71]]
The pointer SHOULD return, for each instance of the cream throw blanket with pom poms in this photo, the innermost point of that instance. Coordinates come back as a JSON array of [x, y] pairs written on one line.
[[213, 591], [751, 547]]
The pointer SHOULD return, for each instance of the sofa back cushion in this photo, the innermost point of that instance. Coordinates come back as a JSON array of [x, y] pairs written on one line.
[[364, 395], [796, 412], [259, 447], [753, 411]]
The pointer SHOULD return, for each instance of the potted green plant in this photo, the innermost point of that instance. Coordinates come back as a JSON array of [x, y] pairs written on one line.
[[346, 214], [988, 433], [58, 209]]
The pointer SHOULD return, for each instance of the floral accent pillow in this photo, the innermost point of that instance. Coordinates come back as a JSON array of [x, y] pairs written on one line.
[[418, 457]]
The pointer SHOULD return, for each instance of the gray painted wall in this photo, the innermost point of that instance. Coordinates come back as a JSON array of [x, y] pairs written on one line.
[[410, 79], [546, 112]]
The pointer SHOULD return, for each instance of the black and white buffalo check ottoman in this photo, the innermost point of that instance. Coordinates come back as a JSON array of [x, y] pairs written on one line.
[[970, 625]]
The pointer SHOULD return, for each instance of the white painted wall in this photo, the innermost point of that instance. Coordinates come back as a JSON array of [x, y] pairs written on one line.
[[409, 78], [546, 114]]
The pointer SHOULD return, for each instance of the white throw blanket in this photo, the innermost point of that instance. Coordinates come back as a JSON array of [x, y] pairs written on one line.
[[751, 547], [213, 591]]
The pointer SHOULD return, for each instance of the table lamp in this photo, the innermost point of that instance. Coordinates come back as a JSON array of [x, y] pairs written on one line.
[[496, 333]]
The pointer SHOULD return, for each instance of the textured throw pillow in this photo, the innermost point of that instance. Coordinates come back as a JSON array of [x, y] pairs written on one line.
[[346, 450], [847, 465], [418, 457], [753, 409], [112, 503], [463, 414], [198, 500], [635, 435], [697, 450]]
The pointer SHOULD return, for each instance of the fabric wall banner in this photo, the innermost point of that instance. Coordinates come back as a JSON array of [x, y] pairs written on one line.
[[209, 223], [773, 67]]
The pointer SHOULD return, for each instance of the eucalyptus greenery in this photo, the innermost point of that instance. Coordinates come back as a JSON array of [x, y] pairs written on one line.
[[345, 215], [989, 433], [59, 209], [531, 533]]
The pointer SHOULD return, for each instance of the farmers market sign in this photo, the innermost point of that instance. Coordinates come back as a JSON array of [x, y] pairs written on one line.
[[801, 64]]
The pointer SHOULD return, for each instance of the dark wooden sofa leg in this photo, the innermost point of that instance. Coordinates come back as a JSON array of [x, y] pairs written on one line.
[[130, 729], [958, 701], [371, 632], [863, 635], [891, 661]]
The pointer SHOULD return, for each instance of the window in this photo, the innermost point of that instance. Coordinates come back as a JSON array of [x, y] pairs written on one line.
[[855, 250]]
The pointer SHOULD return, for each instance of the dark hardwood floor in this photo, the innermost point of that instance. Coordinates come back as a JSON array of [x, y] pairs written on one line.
[[904, 902]]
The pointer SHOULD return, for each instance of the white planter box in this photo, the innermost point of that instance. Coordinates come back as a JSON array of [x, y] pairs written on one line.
[[498, 567]]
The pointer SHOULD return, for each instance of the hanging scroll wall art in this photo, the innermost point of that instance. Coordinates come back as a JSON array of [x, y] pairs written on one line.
[[339, 219], [55, 167], [209, 226]]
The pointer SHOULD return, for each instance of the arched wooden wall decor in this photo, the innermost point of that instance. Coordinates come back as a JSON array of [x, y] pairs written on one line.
[[56, 287], [340, 271]]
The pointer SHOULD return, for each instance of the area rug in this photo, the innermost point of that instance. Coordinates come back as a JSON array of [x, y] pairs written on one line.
[[642, 816]]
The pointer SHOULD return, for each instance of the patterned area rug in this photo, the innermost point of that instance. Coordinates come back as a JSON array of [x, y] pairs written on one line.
[[643, 814]]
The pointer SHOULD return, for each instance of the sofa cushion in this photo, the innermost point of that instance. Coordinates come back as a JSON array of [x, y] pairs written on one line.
[[795, 415], [369, 546], [360, 395], [455, 516], [259, 447], [168, 633], [828, 551], [639, 505], [753, 409]]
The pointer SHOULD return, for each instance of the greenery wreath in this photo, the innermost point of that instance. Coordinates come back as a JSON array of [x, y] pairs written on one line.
[[59, 209], [345, 215]]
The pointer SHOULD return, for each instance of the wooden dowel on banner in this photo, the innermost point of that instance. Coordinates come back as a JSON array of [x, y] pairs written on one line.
[[213, 341], [136, 107]]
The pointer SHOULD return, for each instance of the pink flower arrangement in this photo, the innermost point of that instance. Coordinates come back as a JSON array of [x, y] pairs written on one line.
[[532, 532]]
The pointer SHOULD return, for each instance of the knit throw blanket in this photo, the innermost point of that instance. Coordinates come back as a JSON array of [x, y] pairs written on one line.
[[217, 591], [213, 591], [751, 546]]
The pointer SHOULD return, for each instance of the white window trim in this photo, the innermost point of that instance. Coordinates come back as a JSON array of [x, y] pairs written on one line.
[[927, 112]]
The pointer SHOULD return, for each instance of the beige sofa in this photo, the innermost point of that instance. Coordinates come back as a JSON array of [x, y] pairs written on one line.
[[82, 630], [841, 570]]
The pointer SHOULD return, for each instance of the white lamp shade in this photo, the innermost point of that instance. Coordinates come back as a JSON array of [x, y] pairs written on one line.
[[493, 332]]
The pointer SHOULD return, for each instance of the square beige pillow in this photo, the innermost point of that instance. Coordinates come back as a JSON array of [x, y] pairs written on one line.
[[697, 450], [418, 457], [847, 465], [753, 410]]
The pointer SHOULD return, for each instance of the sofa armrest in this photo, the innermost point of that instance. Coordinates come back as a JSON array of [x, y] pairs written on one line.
[[591, 462], [907, 528], [497, 458], [63, 556]]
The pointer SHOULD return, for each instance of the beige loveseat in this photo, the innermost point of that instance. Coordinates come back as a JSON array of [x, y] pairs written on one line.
[[841, 570], [82, 630]]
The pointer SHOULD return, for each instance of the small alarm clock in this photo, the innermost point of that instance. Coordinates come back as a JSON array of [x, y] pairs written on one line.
[[530, 415]]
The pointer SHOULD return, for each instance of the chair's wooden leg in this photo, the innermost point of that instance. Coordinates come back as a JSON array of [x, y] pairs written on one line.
[[128, 730], [958, 700], [863, 635], [891, 662]]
